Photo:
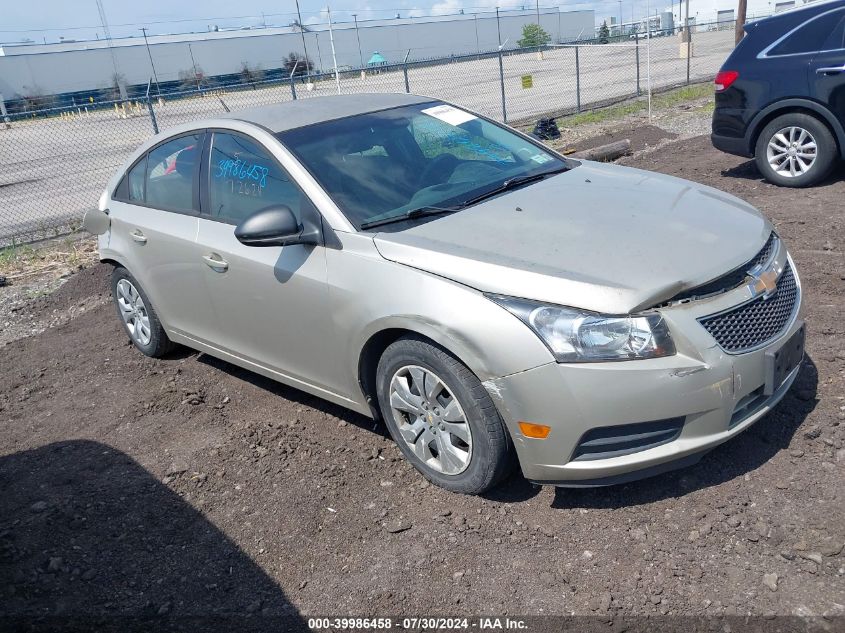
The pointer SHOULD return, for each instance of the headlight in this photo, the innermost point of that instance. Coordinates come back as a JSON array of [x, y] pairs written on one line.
[[576, 336]]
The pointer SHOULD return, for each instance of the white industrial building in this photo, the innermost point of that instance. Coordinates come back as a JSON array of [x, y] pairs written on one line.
[[709, 12], [703, 14], [71, 67]]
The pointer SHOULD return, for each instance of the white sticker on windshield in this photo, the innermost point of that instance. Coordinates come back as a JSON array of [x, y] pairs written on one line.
[[449, 114], [541, 158]]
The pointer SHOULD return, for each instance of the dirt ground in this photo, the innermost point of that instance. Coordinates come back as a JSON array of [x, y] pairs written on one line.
[[188, 487]]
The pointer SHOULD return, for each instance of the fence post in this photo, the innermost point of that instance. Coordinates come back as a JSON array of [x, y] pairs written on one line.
[[151, 109], [689, 49], [292, 88], [405, 71], [577, 80], [637, 46], [502, 86]]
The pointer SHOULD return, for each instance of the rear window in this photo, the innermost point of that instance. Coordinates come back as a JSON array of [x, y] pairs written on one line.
[[810, 36], [836, 41]]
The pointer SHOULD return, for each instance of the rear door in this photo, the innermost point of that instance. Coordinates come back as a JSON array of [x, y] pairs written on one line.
[[271, 302], [827, 70], [154, 226]]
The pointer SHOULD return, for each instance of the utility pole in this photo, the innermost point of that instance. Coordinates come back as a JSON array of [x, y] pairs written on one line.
[[155, 76], [360, 54], [620, 18], [121, 87], [302, 33], [194, 63], [740, 20], [498, 29], [334, 56]]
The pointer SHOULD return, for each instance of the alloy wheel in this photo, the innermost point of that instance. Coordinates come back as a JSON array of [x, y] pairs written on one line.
[[430, 419], [792, 151], [133, 311]]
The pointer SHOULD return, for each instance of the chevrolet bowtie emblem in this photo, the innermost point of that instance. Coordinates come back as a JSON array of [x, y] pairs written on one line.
[[764, 284]]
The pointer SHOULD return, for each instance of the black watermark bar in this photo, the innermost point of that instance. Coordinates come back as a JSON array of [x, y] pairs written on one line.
[[295, 623]]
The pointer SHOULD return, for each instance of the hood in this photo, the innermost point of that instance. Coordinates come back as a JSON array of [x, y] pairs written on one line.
[[598, 237]]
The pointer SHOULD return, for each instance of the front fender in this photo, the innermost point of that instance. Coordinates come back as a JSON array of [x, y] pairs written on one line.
[[371, 295]]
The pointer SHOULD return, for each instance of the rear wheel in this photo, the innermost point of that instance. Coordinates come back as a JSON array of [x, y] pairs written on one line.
[[795, 150], [137, 314], [442, 417]]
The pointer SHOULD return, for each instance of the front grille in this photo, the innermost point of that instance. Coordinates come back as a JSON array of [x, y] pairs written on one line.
[[730, 280], [612, 441], [754, 323]]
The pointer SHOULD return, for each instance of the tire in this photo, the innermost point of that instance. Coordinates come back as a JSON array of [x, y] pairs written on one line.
[[132, 307], [488, 454], [779, 130]]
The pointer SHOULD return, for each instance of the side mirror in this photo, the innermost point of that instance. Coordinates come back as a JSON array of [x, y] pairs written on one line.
[[276, 226]]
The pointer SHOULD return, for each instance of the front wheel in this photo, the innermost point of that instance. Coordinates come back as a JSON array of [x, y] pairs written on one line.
[[442, 417], [795, 150]]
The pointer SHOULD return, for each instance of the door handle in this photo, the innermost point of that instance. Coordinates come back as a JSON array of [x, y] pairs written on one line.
[[215, 263], [829, 70], [139, 237]]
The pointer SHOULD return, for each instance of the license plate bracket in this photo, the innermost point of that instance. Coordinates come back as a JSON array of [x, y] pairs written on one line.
[[780, 362]]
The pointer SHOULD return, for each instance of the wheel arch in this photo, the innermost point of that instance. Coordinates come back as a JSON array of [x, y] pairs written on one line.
[[800, 106], [381, 338]]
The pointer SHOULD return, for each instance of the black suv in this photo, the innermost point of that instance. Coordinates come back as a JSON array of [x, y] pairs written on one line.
[[780, 96]]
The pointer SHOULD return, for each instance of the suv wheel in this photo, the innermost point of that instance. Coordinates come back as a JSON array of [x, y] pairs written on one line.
[[795, 150], [138, 315], [442, 417]]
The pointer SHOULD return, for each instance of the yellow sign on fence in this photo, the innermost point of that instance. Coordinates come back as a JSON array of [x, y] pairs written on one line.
[[527, 81]]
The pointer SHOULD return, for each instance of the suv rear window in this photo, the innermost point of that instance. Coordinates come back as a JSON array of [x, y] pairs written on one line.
[[809, 37], [836, 41]]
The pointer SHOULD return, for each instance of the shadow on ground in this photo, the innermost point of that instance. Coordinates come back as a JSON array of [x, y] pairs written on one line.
[[748, 171], [295, 395], [89, 540], [740, 455]]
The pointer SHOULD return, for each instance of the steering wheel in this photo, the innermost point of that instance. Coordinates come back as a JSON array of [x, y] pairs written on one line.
[[442, 163]]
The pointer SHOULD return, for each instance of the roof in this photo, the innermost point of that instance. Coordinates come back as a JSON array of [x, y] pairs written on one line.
[[377, 58], [280, 117]]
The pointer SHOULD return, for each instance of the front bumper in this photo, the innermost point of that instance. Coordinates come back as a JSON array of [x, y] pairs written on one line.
[[714, 394]]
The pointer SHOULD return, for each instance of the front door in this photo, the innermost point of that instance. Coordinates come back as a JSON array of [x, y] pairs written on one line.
[[271, 302]]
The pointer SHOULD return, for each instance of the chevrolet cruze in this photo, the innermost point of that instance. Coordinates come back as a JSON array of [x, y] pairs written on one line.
[[489, 299]]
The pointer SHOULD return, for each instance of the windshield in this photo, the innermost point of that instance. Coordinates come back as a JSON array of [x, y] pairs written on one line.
[[424, 157]]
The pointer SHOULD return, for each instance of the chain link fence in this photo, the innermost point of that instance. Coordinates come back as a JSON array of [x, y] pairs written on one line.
[[54, 163]]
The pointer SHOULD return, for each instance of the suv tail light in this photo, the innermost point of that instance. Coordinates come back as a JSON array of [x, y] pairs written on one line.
[[724, 79]]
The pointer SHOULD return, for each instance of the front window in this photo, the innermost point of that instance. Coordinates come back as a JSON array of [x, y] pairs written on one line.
[[430, 156], [245, 178]]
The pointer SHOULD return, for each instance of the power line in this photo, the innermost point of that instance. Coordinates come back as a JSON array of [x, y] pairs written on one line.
[[262, 17]]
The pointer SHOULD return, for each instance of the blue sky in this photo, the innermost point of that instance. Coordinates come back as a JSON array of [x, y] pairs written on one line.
[[79, 19]]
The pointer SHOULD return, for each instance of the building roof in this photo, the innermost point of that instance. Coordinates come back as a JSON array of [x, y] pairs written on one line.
[[377, 58], [280, 117]]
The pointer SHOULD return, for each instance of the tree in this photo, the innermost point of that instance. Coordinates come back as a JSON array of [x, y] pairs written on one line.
[[251, 74], [297, 64], [192, 78], [604, 31], [35, 99], [533, 35]]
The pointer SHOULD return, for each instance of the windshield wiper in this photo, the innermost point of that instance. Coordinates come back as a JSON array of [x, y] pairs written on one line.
[[513, 183], [413, 214]]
